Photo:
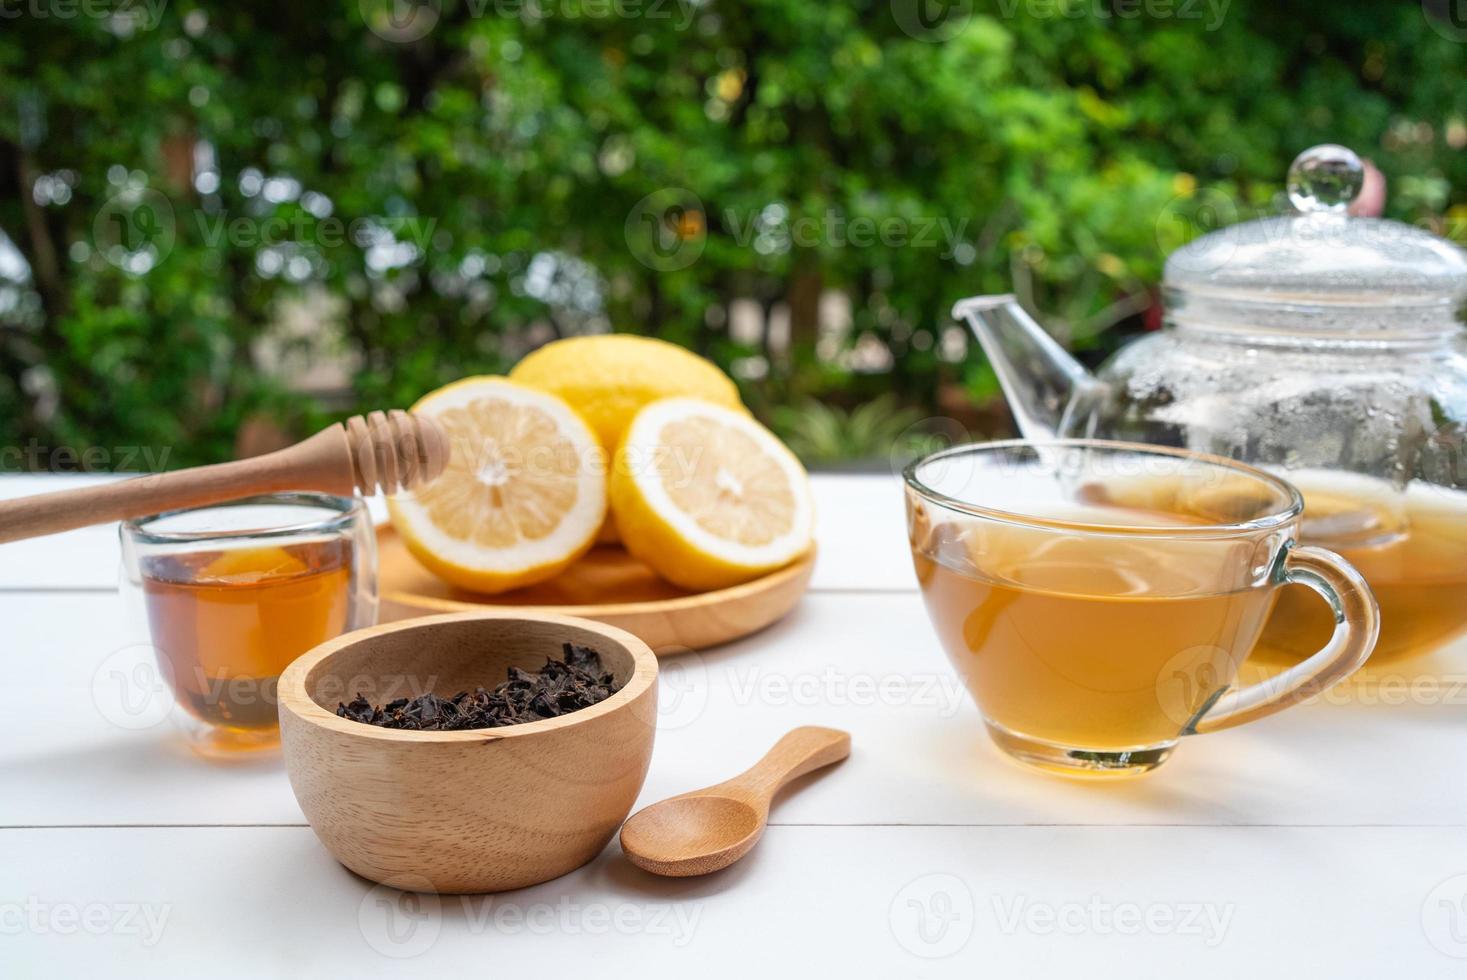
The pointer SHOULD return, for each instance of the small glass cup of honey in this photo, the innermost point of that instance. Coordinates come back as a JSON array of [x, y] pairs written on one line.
[[232, 593]]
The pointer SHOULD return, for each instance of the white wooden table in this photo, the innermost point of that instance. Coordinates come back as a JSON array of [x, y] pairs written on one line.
[[1330, 840]]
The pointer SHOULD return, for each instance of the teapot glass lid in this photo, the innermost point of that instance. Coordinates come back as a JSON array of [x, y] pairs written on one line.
[[1320, 269]]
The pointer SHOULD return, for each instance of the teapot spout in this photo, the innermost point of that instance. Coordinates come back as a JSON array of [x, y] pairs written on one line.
[[1049, 392]]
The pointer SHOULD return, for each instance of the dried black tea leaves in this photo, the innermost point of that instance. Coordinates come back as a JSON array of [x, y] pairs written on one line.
[[560, 687]]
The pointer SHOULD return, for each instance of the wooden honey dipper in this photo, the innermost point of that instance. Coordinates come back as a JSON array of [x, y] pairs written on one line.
[[390, 451]]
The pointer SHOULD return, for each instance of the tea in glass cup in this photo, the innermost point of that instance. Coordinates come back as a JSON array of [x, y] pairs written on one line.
[[233, 593], [1098, 598]]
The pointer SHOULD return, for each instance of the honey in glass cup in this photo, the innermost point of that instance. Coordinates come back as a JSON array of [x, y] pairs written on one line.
[[1098, 598], [233, 593]]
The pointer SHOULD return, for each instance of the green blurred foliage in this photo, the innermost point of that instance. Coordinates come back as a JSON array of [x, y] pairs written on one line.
[[820, 433], [462, 196]]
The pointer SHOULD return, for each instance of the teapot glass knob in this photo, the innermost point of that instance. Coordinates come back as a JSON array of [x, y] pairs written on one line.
[[1325, 179]]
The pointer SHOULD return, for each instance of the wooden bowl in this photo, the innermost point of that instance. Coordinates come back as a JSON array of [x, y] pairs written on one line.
[[472, 811]]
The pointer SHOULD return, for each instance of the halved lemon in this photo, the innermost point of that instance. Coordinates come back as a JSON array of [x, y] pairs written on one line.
[[707, 496], [523, 495], [607, 378]]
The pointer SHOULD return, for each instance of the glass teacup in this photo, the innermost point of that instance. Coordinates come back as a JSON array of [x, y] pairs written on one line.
[[233, 592], [1099, 597]]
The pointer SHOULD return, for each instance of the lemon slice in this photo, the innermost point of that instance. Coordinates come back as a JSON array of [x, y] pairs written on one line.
[[707, 496], [523, 495]]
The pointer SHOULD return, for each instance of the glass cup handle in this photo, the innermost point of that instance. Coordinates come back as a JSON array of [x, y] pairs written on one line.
[[1357, 624]]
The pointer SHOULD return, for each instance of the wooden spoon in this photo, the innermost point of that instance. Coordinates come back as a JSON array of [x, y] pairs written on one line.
[[392, 451], [709, 829]]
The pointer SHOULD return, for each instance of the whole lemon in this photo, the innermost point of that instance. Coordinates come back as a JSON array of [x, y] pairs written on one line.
[[608, 378]]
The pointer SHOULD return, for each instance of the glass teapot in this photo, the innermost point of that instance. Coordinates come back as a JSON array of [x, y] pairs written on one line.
[[1322, 346]]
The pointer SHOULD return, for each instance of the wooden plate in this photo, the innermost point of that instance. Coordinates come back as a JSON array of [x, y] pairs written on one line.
[[609, 586]]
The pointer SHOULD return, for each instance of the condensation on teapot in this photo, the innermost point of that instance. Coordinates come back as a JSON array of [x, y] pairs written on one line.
[[1321, 345]]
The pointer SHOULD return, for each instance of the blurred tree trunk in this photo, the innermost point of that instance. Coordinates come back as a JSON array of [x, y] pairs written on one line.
[[805, 287]]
